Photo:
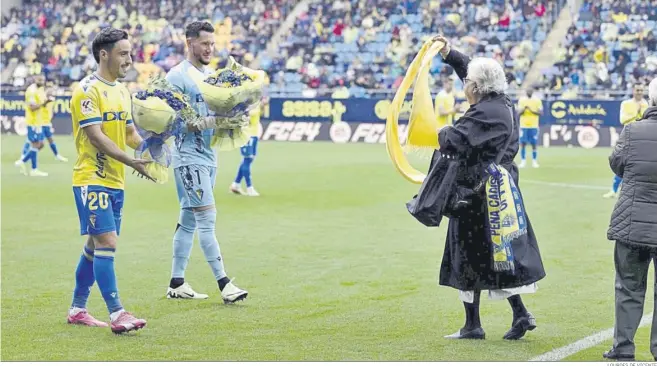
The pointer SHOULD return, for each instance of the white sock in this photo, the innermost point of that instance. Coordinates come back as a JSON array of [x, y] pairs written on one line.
[[74, 311], [115, 315]]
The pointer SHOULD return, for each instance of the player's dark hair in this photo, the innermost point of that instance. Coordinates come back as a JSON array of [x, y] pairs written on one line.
[[106, 39], [194, 29]]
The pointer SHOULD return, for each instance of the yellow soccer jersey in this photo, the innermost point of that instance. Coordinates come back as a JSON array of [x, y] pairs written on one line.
[[254, 118], [631, 110], [37, 95], [529, 119], [48, 111], [462, 108], [96, 101], [447, 101]]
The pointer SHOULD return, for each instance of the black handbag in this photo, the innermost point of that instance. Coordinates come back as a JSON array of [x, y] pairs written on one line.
[[429, 204], [440, 195]]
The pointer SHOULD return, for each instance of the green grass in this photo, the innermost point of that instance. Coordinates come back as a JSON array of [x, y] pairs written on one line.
[[336, 267]]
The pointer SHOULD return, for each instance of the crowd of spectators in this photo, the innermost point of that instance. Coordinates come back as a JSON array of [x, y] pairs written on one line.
[[355, 47], [339, 48], [611, 47], [54, 36]]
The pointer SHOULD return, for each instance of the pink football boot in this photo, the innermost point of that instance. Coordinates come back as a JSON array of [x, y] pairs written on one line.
[[82, 317], [126, 322]]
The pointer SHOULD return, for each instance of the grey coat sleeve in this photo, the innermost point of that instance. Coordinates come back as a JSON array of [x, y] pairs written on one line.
[[618, 157]]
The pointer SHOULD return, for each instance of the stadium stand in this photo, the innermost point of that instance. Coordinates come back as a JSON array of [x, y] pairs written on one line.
[[341, 48], [355, 47], [610, 48], [55, 36]]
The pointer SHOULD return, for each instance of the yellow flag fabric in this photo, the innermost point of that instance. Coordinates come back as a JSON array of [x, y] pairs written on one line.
[[422, 125]]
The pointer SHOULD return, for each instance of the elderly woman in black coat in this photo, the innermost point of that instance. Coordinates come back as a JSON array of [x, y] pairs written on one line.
[[487, 133]]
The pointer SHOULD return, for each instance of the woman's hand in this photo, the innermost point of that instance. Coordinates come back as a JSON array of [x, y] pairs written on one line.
[[445, 51], [440, 129]]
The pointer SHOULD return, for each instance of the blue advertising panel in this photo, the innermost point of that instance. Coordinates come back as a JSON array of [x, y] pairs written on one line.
[[596, 112], [354, 110]]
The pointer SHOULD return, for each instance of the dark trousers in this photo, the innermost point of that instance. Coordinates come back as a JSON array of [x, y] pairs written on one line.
[[632, 263]]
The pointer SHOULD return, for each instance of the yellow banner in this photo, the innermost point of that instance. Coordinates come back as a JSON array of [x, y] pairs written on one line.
[[423, 124]]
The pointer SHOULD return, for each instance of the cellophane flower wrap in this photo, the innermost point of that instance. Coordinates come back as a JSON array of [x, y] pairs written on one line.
[[230, 94], [159, 112]]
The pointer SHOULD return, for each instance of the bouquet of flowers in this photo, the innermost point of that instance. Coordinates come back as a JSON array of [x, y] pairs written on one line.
[[159, 112], [230, 93]]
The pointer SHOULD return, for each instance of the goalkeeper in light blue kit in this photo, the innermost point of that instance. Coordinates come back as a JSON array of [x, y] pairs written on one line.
[[195, 169]]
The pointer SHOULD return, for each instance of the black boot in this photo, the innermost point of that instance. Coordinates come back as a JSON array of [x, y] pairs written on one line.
[[463, 333], [613, 354], [472, 328], [523, 320]]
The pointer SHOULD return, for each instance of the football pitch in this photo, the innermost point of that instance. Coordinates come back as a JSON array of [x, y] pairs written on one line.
[[335, 266]]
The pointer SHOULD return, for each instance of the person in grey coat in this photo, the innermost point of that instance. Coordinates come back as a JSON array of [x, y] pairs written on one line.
[[634, 227]]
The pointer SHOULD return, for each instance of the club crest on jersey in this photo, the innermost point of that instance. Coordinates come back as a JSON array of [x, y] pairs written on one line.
[[86, 107], [105, 93], [199, 98]]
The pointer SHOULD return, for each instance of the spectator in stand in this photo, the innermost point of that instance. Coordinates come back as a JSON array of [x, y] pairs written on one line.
[[385, 35], [55, 35], [622, 35]]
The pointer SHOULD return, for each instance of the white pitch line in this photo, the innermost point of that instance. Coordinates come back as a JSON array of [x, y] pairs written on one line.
[[584, 343], [564, 185]]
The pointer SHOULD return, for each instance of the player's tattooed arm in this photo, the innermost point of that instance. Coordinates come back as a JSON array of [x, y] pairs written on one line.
[[132, 137], [104, 144]]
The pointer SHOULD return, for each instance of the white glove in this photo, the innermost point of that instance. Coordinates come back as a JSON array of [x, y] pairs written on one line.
[[205, 123], [202, 123]]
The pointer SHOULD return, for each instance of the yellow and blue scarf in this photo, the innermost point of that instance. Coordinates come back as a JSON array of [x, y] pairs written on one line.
[[506, 216]]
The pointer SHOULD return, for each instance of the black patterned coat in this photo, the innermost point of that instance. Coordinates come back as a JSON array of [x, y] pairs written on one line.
[[477, 138]]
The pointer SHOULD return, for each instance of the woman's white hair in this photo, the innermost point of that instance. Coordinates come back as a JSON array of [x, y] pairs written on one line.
[[488, 76], [652, 92]]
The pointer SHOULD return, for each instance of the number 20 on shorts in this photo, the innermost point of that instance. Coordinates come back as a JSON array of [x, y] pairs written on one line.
[[98, 199]]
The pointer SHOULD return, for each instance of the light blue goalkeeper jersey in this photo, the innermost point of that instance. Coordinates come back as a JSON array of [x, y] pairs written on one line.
[[191, 147]]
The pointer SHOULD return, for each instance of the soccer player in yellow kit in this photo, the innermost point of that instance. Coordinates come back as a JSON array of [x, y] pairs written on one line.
[[46, 126], [445, 104], [38, 116], [35, 102], [530, 109], [631, 110], [249, 152], [102, 127]]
